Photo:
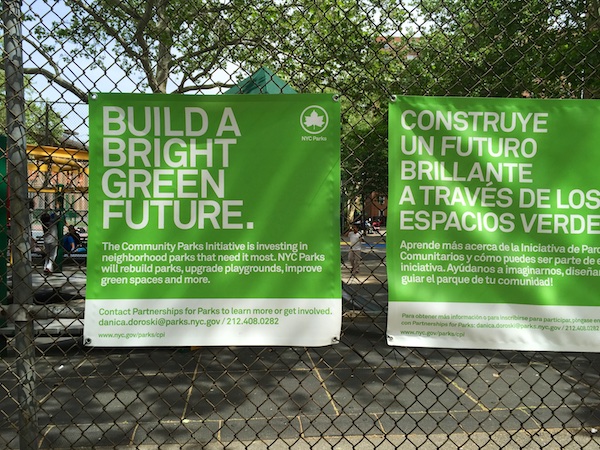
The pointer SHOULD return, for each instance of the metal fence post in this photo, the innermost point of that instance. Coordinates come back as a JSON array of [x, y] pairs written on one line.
[[19, 220]]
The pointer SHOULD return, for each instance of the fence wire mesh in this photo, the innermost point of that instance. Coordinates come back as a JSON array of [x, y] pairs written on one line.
[[360, 393]]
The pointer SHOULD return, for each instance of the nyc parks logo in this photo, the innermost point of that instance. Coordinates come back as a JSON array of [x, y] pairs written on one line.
[[314, 121]]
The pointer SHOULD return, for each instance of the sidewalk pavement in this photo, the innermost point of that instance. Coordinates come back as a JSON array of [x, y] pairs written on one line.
[[367, 292], [358, 394], [63, 292]]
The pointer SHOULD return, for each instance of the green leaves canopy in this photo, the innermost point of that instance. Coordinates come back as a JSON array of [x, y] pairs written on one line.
[[508, 49]]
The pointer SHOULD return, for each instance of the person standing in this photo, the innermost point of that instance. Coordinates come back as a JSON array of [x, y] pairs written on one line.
[[50, 227], [355, 236]]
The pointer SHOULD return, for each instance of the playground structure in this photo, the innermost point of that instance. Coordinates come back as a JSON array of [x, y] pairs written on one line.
[[54, 169], [58, 178]]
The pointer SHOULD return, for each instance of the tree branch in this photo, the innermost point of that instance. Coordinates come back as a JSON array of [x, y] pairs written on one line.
[[116, 34], [54, 78], [183, 89], [42, 52]]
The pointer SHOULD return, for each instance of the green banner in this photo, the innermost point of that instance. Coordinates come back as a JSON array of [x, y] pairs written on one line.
[[493, 223], [213, 220]]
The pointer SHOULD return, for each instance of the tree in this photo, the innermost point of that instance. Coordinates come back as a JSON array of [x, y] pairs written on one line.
[[43, 124], [508, 48], [364, 165], [179, 46]]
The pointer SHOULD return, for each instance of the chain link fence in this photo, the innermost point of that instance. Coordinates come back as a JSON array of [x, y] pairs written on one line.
[[360, 393]]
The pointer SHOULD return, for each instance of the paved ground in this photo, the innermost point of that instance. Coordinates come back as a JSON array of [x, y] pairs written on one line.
[[359, 394], [63, 289]]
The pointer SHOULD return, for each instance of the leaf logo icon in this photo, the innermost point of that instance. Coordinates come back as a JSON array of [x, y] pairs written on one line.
[[314, 119]]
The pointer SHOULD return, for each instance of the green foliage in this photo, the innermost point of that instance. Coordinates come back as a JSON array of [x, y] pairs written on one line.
[[43, 125], [183, 46], [316, 45], [508, 49]]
